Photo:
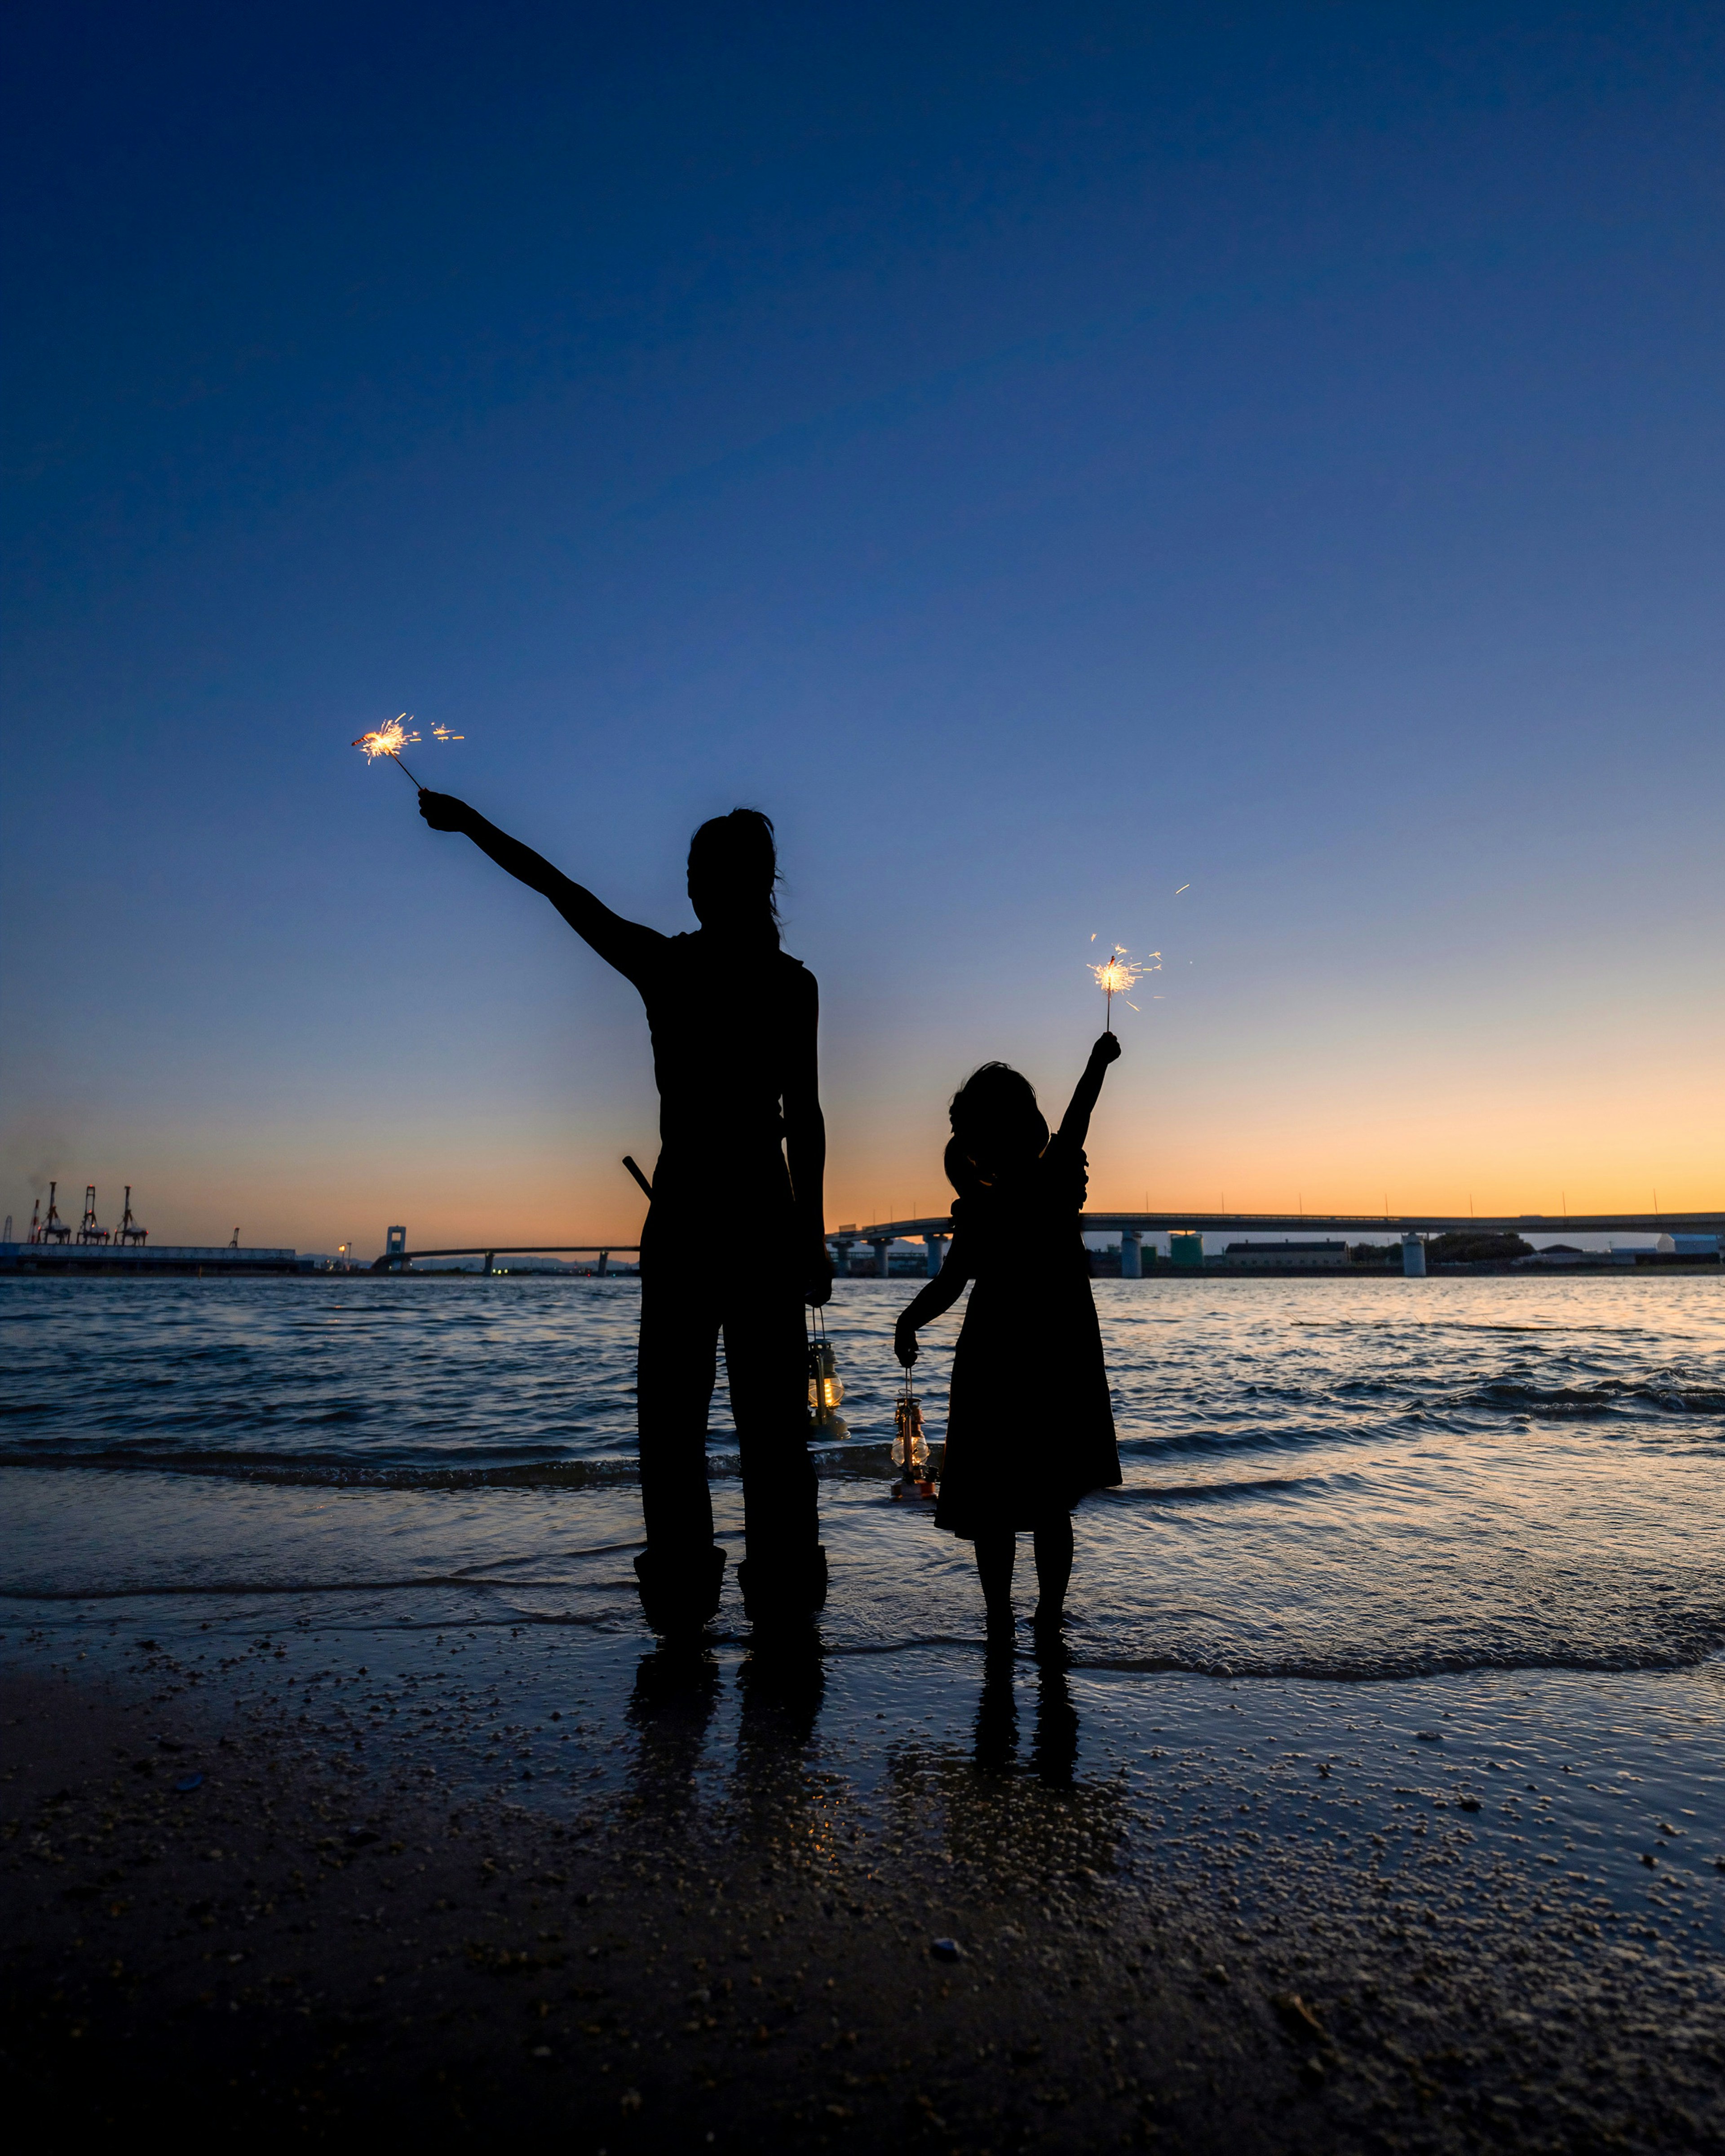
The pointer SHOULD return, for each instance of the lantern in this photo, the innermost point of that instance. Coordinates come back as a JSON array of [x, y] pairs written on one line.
[[909, 1445], [826, 1387]]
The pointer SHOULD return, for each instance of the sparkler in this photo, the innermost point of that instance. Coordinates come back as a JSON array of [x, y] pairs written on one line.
[[1120, 972], [1116, 973], [388, 741]]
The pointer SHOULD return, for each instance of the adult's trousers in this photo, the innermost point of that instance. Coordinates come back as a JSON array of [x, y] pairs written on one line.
[[683, 1313]]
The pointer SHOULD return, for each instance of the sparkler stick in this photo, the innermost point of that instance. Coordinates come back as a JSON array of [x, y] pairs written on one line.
[[389, 741]]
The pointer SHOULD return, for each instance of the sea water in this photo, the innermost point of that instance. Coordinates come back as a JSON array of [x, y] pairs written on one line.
[[1342, 1480]]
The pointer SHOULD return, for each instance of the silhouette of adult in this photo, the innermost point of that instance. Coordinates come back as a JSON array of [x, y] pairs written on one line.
[[733, 1021]]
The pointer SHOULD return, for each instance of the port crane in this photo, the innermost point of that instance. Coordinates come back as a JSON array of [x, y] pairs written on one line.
[[53, 1229]]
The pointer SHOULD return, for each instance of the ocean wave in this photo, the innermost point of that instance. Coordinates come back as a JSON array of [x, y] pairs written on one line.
[[328, 1471], [1608, 1397], [1180, 1493], [1420, 1325], [144, 1590], [853, 1461], [1341, 1414], [1256, 1437]]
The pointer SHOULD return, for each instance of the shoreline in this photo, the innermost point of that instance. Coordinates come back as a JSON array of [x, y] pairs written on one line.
[[1264, 1915]]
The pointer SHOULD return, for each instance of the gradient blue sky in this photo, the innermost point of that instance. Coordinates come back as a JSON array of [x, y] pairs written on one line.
[[1044, 455]]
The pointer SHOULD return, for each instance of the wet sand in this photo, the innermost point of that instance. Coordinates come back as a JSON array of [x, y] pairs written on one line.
[[322, 1936]]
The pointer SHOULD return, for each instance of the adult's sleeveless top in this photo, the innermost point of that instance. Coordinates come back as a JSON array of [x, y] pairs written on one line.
[[728, 1023]]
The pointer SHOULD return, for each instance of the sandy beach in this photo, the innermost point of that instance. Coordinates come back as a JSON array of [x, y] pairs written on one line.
[[233, 1898]]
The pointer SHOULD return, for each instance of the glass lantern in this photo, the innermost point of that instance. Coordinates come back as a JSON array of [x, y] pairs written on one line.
[[826, 1387]]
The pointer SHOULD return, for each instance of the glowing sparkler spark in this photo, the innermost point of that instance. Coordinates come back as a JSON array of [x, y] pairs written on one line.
[[443, 734], [385, 740], [388, 741], [1120, 972], [1115, 974]]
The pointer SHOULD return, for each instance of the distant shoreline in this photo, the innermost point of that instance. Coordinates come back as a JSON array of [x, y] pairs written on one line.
[[1589, 1266], [1601, 1268]]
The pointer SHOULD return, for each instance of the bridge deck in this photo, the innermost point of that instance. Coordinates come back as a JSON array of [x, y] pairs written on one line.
[[1329, 1223]]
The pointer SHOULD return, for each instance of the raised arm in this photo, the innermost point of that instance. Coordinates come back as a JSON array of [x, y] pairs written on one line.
[[935, 1301], [805, 1143], [1075, 1124], [626, 945]]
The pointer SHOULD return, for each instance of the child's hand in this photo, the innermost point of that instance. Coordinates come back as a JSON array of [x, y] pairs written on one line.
[[1107, 1050], [904, 1342]]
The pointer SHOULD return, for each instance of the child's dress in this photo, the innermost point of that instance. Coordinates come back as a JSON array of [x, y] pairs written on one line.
[[1030, 1427]]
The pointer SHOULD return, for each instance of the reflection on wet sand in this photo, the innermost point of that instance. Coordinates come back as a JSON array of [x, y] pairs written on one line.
[[1054, 1742], [776, 1790], [1009, 1808], [670, 1711], [1011, 1815]]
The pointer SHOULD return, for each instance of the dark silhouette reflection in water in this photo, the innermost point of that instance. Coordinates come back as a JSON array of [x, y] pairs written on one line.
[[775, 1793], [783, 1683], [781, 1805], [1004, 1810], [670, 1711], [779, 1793], [1054, 1740], [1008, 1816], [1054, 1746], [997, 1716]]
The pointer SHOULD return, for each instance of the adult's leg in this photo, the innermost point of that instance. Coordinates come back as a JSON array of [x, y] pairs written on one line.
[[995, 1555], [1053, 1568], [766, 1361], [681, 1571]]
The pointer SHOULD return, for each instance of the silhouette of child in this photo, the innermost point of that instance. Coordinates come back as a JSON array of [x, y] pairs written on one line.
[[1030, 1428]]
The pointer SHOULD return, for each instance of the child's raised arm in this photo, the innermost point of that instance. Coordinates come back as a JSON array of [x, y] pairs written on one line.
[[1075, 1124], [936, 1299]]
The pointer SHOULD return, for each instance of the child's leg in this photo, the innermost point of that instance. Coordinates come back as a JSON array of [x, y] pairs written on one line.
[[1053, 1568], [995, 1555]]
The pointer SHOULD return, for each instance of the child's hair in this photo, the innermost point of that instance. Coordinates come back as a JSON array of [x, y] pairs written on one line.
[[996, 1123]]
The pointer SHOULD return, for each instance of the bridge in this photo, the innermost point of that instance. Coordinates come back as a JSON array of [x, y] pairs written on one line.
[[935, 1231], [395, 1258]]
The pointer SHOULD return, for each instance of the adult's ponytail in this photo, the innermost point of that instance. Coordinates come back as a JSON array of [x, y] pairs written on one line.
[[733, 875]]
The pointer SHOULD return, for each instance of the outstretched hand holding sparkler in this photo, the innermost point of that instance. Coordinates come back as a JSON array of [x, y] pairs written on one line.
[[445, 812]]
